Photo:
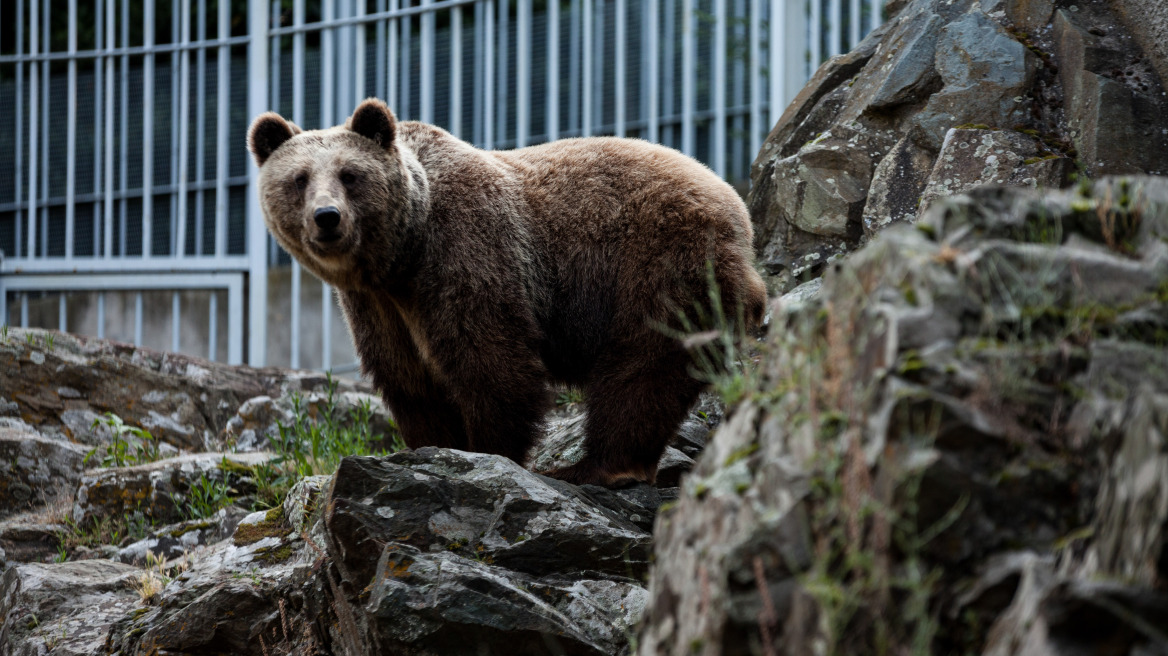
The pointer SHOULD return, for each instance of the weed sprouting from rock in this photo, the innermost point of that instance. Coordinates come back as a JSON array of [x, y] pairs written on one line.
[[315, 445]]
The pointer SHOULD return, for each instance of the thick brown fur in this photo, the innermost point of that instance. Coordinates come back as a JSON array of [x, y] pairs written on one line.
[[471, 280]]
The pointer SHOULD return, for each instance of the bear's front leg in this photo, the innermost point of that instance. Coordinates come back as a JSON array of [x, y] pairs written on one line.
[[501, 388]]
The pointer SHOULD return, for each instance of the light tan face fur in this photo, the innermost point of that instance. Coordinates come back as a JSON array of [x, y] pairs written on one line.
[[303, 173]]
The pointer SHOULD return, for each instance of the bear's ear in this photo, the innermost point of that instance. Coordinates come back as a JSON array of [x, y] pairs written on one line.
[[266, 133], [373, 120]]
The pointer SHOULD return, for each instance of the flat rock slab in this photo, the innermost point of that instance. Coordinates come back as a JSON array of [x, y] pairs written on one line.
[[63, 608]]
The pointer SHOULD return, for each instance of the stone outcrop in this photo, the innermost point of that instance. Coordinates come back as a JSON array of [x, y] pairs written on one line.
[[384, 556], [958, 445], [945, 97]]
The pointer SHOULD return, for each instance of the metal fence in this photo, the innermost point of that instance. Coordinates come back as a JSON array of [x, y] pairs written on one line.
[[123, 169]]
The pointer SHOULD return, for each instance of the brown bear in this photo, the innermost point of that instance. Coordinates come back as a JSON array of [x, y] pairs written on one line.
[[472, 280]]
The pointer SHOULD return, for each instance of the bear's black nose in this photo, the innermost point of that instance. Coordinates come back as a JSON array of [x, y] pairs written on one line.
[[327, 218]]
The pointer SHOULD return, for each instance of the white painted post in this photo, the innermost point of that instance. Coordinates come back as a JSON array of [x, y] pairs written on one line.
[[257, 103]]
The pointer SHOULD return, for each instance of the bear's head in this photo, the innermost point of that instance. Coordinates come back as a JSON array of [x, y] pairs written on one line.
[[339, 200]]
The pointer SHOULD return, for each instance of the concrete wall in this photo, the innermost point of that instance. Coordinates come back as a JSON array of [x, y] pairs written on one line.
[[194, 316]]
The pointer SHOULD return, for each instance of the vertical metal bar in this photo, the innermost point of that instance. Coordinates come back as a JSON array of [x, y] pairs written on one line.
[[24, 309], [874, 11], [359, 53], [47, 90], [33, 133], [18, 112], [653, 72], [71, 136], [586, 61], [4, 299], [391, 61], [98, 132], [667, 89], [124, 135], [502, 93], [426, 69], [200, 126], [184, 132], [489, 75], [62, 313], [479, 75], [738, 167], [148, 131], [341, 71], [575, 55], [222, 104], [816, 36], [621, 43], [688, 75], [854, 29], [597, 54], [836, 33], [298, 64], [257, 102], [101, 314], [756, 66], [405, 54], [327, 65], [173, 131], [108, 202], [213, 325], [522, 73], [718, 82], [776, 69], [456, 71], [274, 73], [552, 120], [138, 319], [379, 54], [175, 321]]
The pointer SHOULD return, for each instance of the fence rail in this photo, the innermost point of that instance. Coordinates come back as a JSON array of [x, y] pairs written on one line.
[[122, 166]]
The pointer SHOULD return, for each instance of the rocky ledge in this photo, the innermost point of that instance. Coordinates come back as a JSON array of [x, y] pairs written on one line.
[[130, 478]]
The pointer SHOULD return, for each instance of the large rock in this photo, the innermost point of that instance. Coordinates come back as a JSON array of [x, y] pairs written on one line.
[[869, 142], [65, 609], [458, 549], [962, 404], [35, 470]]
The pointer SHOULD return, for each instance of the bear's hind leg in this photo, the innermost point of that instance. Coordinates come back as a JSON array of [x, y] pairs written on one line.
[[635, 401]]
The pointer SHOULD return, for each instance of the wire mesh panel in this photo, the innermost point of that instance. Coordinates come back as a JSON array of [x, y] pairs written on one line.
[[122, 122]]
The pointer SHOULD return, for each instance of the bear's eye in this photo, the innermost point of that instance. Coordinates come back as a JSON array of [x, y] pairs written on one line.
[[302, 181], [348, 178]]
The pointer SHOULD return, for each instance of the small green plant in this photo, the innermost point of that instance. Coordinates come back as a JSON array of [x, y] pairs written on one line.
[[62, 554], [204, 498], [310, 446], [123, 452], [49, 340], [95, 532], [569, 396]]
